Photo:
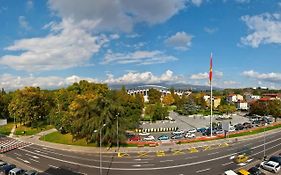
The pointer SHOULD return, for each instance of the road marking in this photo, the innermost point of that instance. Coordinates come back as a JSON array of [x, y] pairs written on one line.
[[38, 151], [213, 153], [53, 166], [152, 168], [138, 165], [166, 161], [200, 171], [232, 157], [192, 157], [17, 154], [193, 150], [35, 157], [25, 161], [224, 164], [34, 160], [160, 153]]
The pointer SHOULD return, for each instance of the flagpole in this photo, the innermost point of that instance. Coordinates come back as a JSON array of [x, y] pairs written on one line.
[[211, 117]]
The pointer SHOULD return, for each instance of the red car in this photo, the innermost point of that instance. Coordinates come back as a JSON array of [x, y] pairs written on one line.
[[135, 138]]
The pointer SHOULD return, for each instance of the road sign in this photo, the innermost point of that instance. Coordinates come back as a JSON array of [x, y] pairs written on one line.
[[3, 122]]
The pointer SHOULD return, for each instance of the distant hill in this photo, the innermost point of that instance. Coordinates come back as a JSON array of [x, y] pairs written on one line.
[[168, 85]]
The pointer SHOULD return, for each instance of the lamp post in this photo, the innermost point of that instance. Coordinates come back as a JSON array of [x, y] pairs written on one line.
[[100, 146], [117, 131]]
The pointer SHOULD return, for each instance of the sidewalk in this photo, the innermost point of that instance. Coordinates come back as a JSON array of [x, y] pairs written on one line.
[[163, 147]]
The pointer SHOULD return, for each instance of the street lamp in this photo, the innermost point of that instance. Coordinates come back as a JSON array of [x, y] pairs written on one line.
[[117, 131], [100, 146]]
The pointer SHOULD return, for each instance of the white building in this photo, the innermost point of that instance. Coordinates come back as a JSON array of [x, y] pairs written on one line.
[[242, 105], [233, 98], [250, 97], [143, 90]]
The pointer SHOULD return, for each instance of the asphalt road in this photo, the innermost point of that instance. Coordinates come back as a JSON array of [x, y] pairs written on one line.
[[214, 161]]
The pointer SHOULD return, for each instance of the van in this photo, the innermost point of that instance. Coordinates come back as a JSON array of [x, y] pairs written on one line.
[[230, 172], [16, 171]]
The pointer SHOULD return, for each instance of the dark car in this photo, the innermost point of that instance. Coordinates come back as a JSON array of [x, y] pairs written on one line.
[[238, 127], [247, 125], [255, 171], [6, 168], [201, 130], [275, 159], [31, 172], [208, 132]]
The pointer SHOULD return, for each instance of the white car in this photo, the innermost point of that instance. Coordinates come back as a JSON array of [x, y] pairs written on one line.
[[149, 138], [231, 129], [271, 166], [144, 134], [193, 130], [189, 135], [230, 172], [178, 132]]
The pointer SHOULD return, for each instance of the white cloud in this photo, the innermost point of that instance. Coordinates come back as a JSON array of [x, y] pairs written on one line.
[[269, 77], [199, 76], [68, 45], [205, 75], [12, 82], [138, 57], [210, 30], [230, 83], [180, 41], [144, 77], [23, 23], [265, 28], [197, 2], [29, 5], [118, 14]]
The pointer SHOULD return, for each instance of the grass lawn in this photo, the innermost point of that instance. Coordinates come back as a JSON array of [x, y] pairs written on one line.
[[146, 118], [31, 131], [6, 130], [172, 108], [57, 137]]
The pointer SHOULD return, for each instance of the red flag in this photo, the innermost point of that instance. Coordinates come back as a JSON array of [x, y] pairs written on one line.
[[211, 68]]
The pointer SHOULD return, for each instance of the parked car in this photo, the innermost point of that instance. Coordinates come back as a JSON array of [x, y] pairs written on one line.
[[179, 132], [247, 125], [163, 137], [144, 134], [238, 127], [231, 129], [149, 138], [177, 136], [189, 135], [135, 138], [31, 172], [255, 171], [220, 132], [208, 132], [4, 170], [201, 130], [2, 164], [275, 159], [193, 130], [16, 171], [271, 166]]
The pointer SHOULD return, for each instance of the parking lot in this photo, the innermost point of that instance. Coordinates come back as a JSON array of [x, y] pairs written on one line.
[[189, 122]]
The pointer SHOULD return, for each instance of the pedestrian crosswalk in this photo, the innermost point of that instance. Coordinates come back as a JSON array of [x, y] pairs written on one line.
[[8, 144]]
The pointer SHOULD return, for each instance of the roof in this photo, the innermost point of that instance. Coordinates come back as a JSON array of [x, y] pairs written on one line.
[[264, 99]]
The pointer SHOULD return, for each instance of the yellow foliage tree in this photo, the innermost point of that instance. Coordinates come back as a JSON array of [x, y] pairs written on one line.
[[168, 100]]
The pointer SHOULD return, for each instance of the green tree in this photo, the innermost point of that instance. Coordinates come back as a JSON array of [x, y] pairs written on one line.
[[154, 96]]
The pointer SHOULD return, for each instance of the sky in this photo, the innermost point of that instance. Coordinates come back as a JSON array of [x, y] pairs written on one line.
[[54, 43]]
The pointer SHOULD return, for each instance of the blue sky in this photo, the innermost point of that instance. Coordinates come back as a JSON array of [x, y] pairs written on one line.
[[55, 43]]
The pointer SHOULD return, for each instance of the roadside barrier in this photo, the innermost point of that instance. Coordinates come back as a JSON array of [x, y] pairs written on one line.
[[155, 130]]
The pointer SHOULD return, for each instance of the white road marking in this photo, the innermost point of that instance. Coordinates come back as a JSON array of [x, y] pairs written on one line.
[[224, 164], [242, 164], [213, 153], [249, 160], [200, 171], [35, 157], [153, 168], [17, 154], [166, 160], [53, 166], [192, 157], [138, 165], [34, 160], [25, 161], [232, 157], [38, 151]]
